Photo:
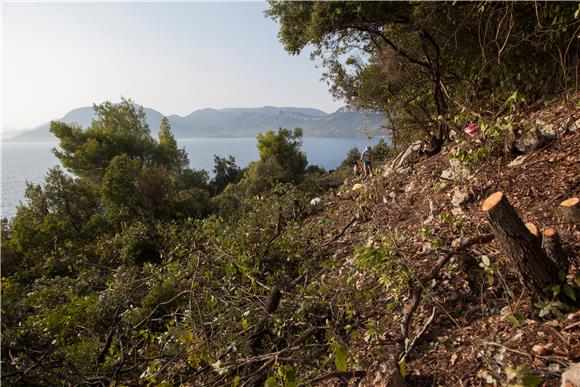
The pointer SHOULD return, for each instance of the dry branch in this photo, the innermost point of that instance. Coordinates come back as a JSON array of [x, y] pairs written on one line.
[[423, 282]]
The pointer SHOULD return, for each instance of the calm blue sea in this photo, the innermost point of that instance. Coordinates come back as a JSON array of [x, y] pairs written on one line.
[[22, 162]]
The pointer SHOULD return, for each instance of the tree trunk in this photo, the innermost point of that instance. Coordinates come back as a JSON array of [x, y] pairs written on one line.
[[524, 250], [553, 248], [570, 209]]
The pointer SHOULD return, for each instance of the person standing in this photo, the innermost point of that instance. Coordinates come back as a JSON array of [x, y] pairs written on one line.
[[366, 158]]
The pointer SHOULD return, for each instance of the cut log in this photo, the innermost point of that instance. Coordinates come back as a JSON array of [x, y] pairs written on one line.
[[533, 229], [553, 248], [262, 326], [570, 209], [535, 269]]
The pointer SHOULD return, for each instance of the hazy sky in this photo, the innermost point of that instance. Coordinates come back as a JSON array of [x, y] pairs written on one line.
[[174, 58]]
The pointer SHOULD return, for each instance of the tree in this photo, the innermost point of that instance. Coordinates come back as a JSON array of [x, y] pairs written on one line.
[[169, 155], [284, 146], [225, 172], [421, 63], [119, 129]]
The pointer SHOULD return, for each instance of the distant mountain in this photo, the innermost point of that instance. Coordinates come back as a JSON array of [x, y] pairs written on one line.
[[238, 122]]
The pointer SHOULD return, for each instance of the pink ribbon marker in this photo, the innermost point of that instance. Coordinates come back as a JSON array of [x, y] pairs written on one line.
[[472, 129]]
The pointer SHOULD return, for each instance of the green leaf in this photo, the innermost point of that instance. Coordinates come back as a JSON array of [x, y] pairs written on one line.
[[578, 278], [271, 382], [532, 380], [568, 291], [403, 368], [340, 357]]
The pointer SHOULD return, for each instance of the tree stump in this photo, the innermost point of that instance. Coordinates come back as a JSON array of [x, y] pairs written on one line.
[[535, 269], [533, 229], [553, 248], [570, 210]]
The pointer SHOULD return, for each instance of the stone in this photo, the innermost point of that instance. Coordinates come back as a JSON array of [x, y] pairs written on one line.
[[410, 186], [404, 171], [460, 198], [408, 156], [433, 208], [528, 142], [388, 171], [571, 377], [549, 131], [315, 202], [448, 175], [517, 161], [575, 126]]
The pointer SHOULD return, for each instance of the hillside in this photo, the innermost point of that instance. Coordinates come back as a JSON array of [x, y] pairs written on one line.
[[328, 282], [475, 323], [238, 122]]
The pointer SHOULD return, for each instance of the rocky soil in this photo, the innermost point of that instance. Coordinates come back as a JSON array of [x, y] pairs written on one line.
[[485, 327]]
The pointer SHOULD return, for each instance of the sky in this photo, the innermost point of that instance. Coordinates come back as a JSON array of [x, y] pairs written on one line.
[[172, 57]]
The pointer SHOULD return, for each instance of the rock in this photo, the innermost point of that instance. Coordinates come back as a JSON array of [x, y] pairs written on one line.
[[459, 170], [388, 171], [517, 161], [404, 171], [315, 202], [433, 212], [460, 198], [447, 176], [404, 159], [393, 195], [571, 377], [410, 155], [434, 209], [383, 374], [575, 126], [528, 142], [549, 131]]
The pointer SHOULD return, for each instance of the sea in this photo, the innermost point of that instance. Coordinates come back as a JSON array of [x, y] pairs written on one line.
[[29, 162]]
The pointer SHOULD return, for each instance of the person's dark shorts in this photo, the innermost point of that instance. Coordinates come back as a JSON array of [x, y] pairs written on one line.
[[367, 164]]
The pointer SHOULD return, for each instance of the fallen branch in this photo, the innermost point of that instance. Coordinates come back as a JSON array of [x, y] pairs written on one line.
[[423, 282], [341, 233], [261, 327], [419, 335]]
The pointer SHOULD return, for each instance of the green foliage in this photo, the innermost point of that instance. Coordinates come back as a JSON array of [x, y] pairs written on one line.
[[520, 376], [423, 63], [281, 161], [284, 147], [340, 357], [385, 260], [225, 172]]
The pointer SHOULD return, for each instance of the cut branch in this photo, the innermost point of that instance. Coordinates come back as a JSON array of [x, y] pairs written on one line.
[[423, 283], [262, 326]]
